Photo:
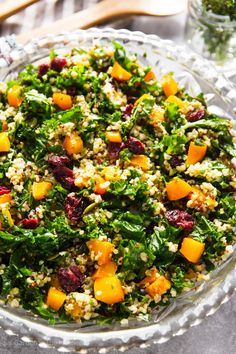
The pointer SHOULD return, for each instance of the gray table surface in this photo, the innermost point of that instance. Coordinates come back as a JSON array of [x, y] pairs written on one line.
[[217, 333]]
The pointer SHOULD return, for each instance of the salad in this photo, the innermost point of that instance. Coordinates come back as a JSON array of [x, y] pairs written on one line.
[[116, 190]]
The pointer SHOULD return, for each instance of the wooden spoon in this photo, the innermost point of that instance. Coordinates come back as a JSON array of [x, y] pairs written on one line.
[[107, 10], [11, 7]]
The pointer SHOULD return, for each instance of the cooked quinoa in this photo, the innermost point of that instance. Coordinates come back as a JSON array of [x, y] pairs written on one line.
[[117, 188]]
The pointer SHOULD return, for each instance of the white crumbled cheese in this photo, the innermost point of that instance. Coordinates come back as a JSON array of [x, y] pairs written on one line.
[[222, 227], [115, 96], [18, 118], [9, 112], [143, 256], [173, 292], [124, 322], [173, 247]]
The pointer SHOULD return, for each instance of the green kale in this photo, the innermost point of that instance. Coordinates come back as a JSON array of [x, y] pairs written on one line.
[[178, 279], [130, 225], [36, 104], [213, 122], [141, 111], [157, 243], [124, 188], [174, 119], [174, 144], [204, 229], [136, 258]]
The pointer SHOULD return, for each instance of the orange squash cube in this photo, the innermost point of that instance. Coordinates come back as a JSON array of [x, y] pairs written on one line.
[[110, 173], [108, 290], [158, 287], [150, 76], [62, 100], [100, 186], [106, 270], [73, 144], [183, 106], [120, 73], [140, 161], [169, 85], [40, 189], [196, 153], [7, 216], [150, 278], [5, 198], [191, 249], [177, 189], [55, 298], [157, 115], [4, 142], [4, 126], [114, 137], [101, 249], [14, 96]]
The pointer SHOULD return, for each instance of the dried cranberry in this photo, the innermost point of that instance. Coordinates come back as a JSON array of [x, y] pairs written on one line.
[[65, 176], [58, 160], [175, 161], [196, 115], [75, 206], [43, 69], [114, 149], [58, 63], [180, 219], [72, 91], [128, 110], [70, 278], [4, 190], [29, 223], [136, 146]]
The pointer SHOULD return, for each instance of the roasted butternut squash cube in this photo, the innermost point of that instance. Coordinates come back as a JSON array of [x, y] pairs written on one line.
[[55, 298], [101, 249], [192, 249], [169, 85], [120, 73], [196, 153], [40, 189], [159, 286], [62, 100], [14, 96], [177, 189], [114, 137], [141, 161], [4, 142], [105, 270], [73, 144], [109, 290]]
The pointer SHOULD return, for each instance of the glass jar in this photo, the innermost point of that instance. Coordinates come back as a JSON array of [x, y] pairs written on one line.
[[212, 35]]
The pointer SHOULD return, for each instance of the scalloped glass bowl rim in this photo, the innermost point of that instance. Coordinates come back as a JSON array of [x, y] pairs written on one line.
[[68, 337]]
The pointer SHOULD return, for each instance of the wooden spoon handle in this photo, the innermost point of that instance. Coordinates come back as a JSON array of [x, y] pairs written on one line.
[[94, 15], [11, 7]]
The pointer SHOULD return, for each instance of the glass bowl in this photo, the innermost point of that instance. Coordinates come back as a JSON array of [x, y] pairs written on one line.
[[189, 309]]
